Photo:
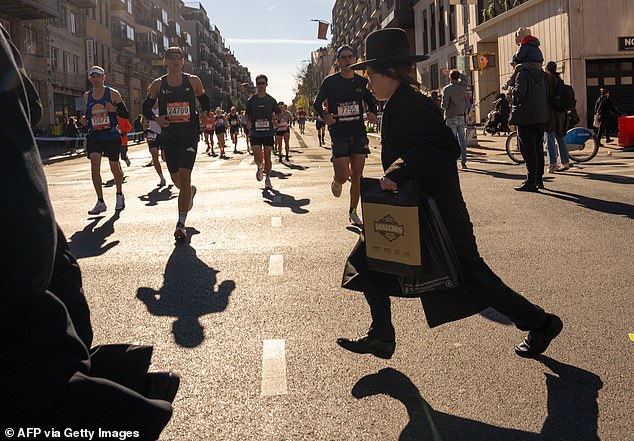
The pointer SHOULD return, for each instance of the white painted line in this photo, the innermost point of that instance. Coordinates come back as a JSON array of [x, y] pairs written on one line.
[[276, 265], [276, 221], [273, 368]]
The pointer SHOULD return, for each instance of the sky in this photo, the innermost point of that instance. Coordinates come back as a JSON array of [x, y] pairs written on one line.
[[272, 37]]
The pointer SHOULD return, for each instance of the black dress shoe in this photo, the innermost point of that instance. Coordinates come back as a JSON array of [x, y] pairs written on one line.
[[537, 341], [162, 385], [368, 345], [540, 185], [526, 186]]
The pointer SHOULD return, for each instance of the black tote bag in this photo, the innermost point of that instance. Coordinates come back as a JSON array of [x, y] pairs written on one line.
[[405, 235]]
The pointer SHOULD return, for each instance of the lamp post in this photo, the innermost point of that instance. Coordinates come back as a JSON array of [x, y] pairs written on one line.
[[471, 134]]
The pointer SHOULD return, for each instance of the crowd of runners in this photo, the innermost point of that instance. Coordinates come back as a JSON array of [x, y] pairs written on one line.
[[174, 128]]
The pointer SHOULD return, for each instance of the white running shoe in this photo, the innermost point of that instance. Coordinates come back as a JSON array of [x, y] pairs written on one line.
[[355, 219], [162, 182], [267, 184], [120, 203], [99, 208], [191, 203], [259, 175], [335, 187]]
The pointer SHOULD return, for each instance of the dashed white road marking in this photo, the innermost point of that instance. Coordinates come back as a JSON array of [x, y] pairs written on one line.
[[276, 221], [276, 265], [273, 368]]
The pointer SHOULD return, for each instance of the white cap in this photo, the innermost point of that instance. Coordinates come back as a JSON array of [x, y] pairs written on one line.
[[97, 70]]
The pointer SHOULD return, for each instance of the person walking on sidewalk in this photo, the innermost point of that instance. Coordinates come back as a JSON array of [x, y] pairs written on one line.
[[103, 105], [417, 145], [604, 109], [177, 92], [346, 93], [557, 120], [455, 104]]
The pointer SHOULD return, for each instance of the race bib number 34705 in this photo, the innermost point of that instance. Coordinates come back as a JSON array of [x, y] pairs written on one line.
[[178, 112]]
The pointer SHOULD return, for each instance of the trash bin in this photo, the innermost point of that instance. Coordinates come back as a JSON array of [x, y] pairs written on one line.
[[626, 131]]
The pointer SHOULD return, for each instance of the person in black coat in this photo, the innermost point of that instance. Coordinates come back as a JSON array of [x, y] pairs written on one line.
[[50, 376], [416, 144], [604, 109]]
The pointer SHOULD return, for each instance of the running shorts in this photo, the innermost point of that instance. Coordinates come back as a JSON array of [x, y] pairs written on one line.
[[262, 140], [105, 147], [153, 140], [350, 145], [319, 124], [179, 153], [220, 130]]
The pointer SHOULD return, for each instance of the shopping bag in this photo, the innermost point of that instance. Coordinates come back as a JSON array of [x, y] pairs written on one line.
[[404, 235]]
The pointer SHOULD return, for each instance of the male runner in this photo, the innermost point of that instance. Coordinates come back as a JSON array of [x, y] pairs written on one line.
[[283, 131], [346, 92], [103, 105], [234, 127], [176, 92], [154, 145], [209, 128], [301, 119], [243, 123], [261, 111]]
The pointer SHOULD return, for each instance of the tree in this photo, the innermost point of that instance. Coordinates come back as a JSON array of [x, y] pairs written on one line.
[[308, 82]]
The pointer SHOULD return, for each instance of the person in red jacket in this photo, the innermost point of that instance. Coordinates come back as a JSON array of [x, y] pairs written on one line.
[[124, 128]]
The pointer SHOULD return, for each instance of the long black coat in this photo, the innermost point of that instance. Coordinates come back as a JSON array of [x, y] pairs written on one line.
[[416, 144]]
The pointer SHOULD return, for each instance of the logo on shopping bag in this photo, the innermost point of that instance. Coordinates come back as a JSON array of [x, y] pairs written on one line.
[[389, 228]]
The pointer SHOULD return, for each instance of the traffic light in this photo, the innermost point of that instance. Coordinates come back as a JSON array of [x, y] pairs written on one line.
[[480, 60]]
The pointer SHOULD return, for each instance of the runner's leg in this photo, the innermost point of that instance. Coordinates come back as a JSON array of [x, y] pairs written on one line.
[[95, 170], [357, 163]]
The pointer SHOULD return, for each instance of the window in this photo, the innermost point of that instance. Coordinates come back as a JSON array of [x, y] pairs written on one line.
[[432, 31], [164, 15], [63, 12], [433, 73], [75, 64], [73, 23], [453, 23], [130, 7], [425, 34], [453, 62], [441, 23], [166, 42], [178, 29], [30, 41], [54, 58], [66, 61]]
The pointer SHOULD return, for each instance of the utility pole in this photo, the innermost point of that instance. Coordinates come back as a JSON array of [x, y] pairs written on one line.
[[471, 134]]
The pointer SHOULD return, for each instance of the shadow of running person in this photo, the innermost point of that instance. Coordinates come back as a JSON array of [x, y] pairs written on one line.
[[276, 199], [188, 293], [572, 414], [618, 208], [158, 195], [91, 241]]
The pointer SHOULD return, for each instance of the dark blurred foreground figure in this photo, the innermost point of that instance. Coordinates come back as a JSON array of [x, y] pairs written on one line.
[[416, 144], [50, 378]]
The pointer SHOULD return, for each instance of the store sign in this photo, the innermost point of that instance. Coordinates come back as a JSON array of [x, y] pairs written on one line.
[[90, 52], [626, 43]]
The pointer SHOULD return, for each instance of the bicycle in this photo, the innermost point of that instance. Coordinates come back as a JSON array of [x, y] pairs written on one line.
[[582, 143]]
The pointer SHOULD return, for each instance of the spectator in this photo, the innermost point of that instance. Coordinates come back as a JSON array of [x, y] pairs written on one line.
[[455, 104], [435, 98], [604, 110], [557, 122], [503, 107], [71, 131], [138, 128]]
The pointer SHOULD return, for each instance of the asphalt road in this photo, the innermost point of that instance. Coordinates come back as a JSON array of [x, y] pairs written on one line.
[[248, 312]]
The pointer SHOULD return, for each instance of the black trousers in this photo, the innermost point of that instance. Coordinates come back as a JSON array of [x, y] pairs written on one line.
[[603, 128], [531, 143]]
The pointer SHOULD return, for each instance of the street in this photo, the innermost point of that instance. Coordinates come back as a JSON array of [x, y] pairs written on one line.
[[247, 313]]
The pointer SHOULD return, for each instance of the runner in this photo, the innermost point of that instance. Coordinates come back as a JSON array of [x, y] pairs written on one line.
[[346, 92], [124, 128], [243, 123], [301, 119], [283, 131], [320, 125], [260, 111], [176, 92], [103, 105], [154, 145], [208, 129], [221, 129], [234, 128]]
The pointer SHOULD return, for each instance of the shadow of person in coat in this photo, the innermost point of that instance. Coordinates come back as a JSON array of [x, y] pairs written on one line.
[[188, 293], [572, 408]]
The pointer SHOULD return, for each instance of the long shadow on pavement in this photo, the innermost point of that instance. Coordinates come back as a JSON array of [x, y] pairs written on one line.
[[91, 241], [572, 408], [276, 199], [188, 293], [158, 195], [618, 208]]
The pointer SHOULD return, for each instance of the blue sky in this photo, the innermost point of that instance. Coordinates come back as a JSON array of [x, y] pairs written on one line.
[[271, 36]]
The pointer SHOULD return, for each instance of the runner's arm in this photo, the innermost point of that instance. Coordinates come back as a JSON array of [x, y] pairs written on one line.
[[150, 100]]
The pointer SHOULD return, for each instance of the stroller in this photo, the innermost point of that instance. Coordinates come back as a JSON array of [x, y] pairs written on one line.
[[496, 123]]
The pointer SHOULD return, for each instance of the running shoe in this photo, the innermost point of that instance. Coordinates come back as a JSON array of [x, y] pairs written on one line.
[[120, 203], [355, 219], [99, 208], [162, 182], [287, 158], [259, 174], [191, 202], [180, 233], [267, 184], [127, 162], [336, 188]]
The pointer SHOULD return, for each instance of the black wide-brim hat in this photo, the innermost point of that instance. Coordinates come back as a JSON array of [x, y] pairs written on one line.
[[387, 46]]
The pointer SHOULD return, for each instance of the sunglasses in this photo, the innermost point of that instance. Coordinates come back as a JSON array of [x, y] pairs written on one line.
[[260, 83], [173, 57]]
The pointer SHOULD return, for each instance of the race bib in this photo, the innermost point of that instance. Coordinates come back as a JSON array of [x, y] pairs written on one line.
[[151, 136], [348, 109], [178, 112], [234, 122], [262, 124], [100, 121]]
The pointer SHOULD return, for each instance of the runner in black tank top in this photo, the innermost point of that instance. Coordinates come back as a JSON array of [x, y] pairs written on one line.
[[179, 121]]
